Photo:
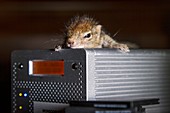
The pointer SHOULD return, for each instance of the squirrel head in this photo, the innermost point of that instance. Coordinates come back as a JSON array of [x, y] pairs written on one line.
[[83, 32]]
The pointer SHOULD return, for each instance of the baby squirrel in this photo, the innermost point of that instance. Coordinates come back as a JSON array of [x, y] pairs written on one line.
[[85, 32]]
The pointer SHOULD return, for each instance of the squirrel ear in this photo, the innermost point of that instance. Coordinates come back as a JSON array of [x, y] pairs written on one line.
[[98, 28]]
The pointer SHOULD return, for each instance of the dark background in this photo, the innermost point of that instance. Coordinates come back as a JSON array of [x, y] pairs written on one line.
[[36, 25]]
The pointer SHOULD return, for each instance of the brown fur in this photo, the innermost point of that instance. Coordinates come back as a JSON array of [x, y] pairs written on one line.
[[85, 32]]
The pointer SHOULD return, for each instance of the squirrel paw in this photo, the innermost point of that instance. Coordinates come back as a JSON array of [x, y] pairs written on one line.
[[122, 47], [57, 48]]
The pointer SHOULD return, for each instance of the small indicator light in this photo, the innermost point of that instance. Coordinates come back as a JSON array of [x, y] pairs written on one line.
[[20, 94], [25, 94], [20, 107]]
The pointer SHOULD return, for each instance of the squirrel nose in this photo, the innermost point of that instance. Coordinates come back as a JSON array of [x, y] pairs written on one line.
[[70, 42]]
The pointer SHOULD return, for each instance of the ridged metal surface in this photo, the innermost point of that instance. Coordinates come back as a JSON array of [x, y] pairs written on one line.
[[135, 75]]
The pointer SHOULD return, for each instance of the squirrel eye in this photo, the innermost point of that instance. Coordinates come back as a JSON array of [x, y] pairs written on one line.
[[87, 35]]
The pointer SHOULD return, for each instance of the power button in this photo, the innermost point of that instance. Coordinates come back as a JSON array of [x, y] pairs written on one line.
[[75, 66]]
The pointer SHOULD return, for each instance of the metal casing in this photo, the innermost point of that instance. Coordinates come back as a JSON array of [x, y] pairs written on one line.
[[102, 74], [139, 74], [46, 88]]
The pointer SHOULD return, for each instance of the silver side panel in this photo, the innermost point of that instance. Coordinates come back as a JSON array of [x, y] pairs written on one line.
[[90, 75], [112, 75]]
